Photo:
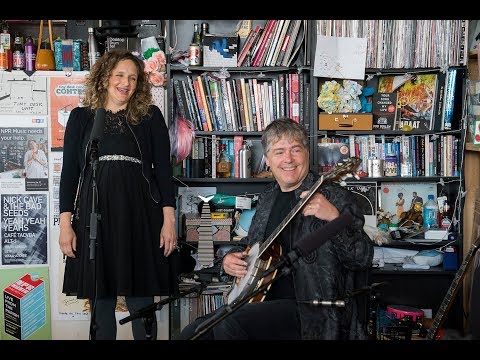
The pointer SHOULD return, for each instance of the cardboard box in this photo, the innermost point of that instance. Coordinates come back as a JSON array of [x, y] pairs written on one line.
[[345, 121], [220, 50], [220, 228], [25, 307]]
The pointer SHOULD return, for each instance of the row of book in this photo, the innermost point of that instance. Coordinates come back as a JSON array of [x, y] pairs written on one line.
[[415, 155], [193, 307], [405, 43], [277, 43], [428, 101], [242, 104], [205, 154]]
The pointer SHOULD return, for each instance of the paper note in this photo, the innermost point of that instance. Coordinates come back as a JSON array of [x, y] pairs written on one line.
[[340, 57]]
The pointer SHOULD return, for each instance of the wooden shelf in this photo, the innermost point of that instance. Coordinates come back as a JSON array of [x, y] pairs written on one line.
[[473, 54], [397, 269], [472, 147]]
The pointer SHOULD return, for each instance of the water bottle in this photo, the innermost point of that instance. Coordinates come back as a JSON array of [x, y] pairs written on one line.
[[93, 53], [30, 54], [430, 214], [245, 162]]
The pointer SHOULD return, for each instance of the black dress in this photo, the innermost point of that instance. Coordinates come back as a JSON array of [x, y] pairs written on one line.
[[129, 260]]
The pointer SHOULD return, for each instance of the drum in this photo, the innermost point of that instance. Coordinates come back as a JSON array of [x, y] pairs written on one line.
[[405, 313], [398, 322]]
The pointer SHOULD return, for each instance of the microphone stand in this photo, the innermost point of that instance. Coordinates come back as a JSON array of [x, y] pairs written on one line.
[[285, 264], [93, 226], [303, 248], [147, 313]]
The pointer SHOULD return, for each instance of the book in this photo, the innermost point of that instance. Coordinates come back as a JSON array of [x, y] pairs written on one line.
[[330, 154], [237, 145], [294, 97], [384, 111], [220, 50], [251, 38], [439, 101], [416, 98], [267, 34], [203, 102]]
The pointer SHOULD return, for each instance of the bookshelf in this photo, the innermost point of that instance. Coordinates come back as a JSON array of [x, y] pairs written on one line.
[[419, 288], [259, 80], [424, 289]]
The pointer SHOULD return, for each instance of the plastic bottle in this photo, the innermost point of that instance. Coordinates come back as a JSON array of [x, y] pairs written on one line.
[[430, 213], [93, 53], [18, 54], [6, 40], [3, 58]]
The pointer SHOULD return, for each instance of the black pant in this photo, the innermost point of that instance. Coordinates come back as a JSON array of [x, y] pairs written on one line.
[[106, 323], [269, 320]]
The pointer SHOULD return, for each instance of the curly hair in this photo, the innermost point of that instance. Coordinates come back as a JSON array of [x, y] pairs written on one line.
[[96, 85]]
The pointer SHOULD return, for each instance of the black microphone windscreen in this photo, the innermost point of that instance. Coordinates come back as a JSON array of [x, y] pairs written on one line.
[[320, 236], [98, 125]]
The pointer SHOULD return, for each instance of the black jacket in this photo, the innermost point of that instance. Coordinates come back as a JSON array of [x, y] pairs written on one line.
[[328, 272], [154, 145]]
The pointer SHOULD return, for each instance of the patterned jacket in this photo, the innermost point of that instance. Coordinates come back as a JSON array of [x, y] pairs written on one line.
[[329, 272]]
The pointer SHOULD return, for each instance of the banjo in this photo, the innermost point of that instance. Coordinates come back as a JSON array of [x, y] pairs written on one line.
[[260, 257]]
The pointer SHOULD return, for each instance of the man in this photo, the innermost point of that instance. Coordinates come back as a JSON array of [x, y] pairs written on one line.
[[327, 273], [416, 200]]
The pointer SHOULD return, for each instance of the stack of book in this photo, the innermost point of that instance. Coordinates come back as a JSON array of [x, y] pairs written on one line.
[[277, 43]]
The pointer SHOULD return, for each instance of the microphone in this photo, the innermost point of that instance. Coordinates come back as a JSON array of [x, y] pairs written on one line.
[[97, 131], [319, 237], [332, 303]]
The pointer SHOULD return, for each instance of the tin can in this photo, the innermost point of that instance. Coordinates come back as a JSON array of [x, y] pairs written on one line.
[[57, 52], [245, 162], [77, 55], [391, 166], [375, 167], [85, 62], [194, 54]]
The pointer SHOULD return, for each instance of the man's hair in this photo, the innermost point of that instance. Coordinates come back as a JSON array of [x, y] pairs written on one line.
[[284, 127], [96, 84]]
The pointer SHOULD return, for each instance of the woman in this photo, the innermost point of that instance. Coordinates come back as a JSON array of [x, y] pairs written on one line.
[[136, 231], [400, 202], [35, 161]]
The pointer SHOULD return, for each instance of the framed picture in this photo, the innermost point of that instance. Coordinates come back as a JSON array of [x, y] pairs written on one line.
[[476, 132]]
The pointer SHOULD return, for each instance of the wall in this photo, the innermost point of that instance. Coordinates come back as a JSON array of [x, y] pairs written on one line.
[[37, 107]]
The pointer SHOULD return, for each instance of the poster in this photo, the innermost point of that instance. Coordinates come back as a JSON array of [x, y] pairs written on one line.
[[63, 307], [399, 197], [20, 94], [24, 229], [65, 94], [25, 304], [23, 153]]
